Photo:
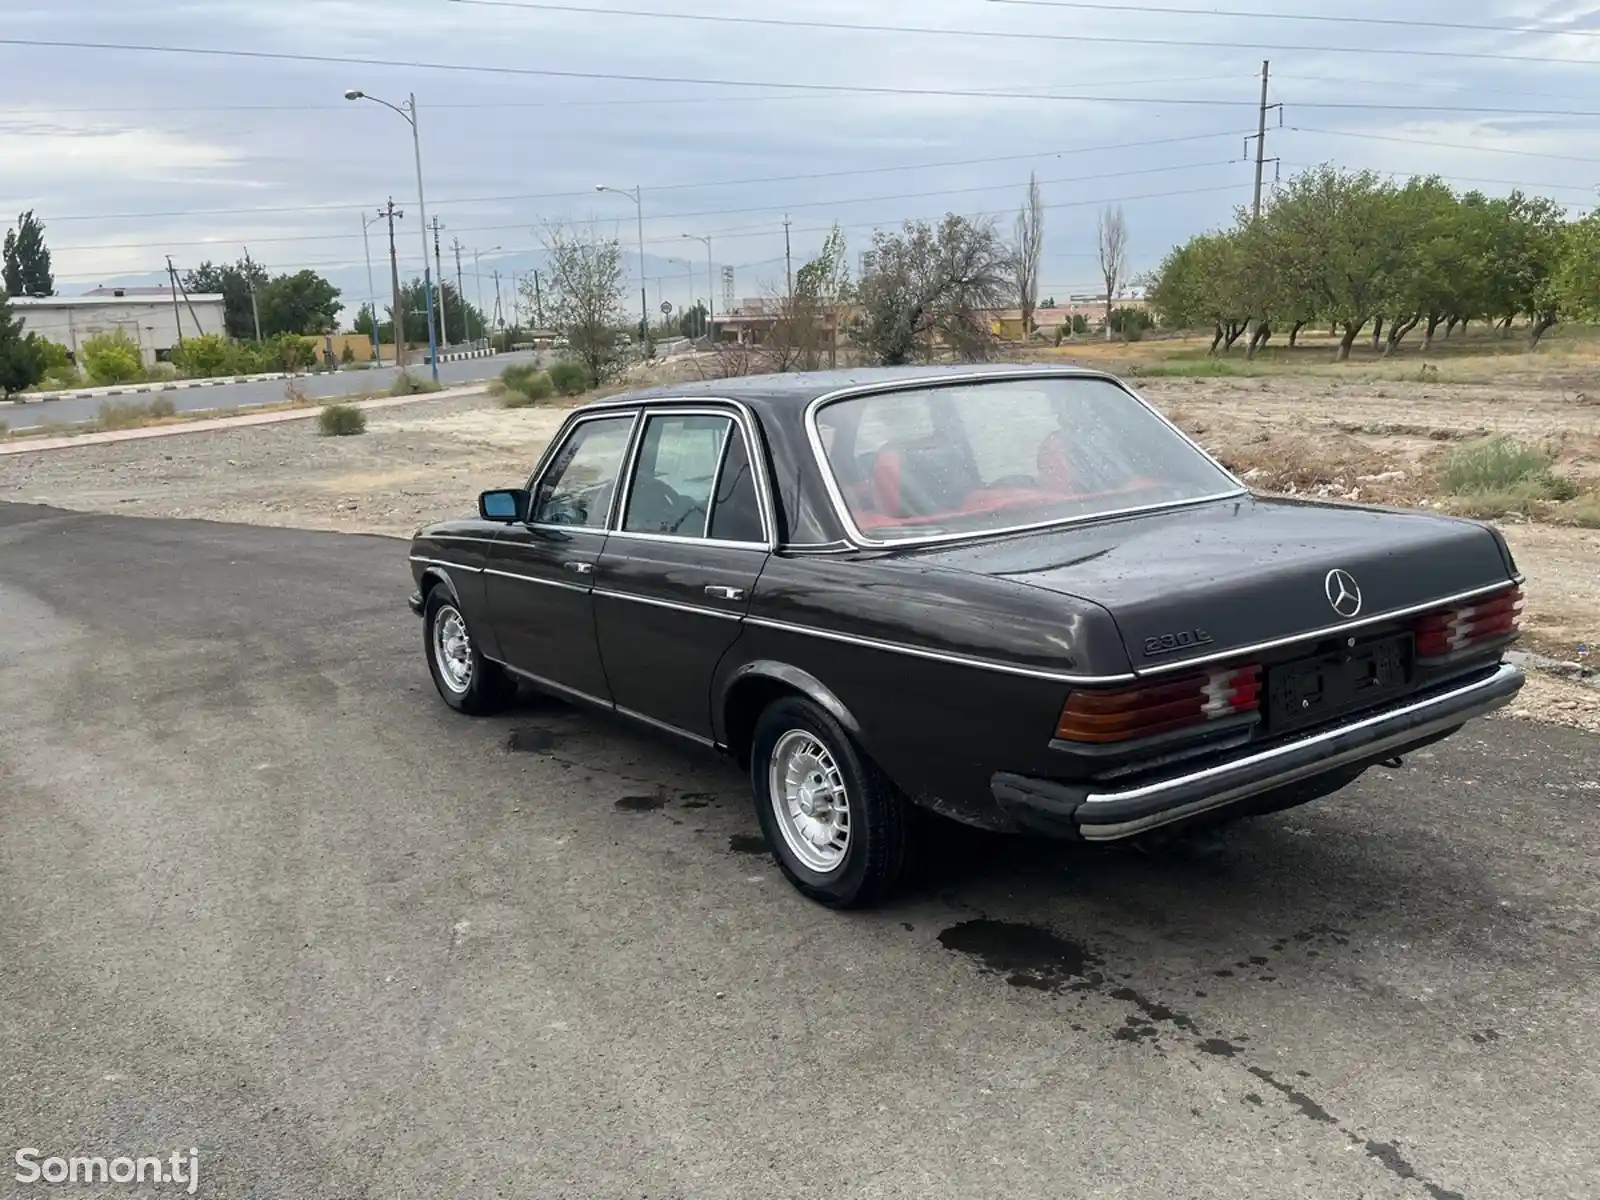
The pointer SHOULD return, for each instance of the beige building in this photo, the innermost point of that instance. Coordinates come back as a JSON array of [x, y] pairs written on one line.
[[148, 318]]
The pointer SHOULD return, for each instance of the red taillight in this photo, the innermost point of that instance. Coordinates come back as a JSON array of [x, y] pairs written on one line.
[[1462, 626], [1148, 709]]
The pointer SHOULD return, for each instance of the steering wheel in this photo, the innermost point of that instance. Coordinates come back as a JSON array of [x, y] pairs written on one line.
[[658, 502]]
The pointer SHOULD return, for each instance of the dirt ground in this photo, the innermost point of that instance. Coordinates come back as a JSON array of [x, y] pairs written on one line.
[[1343, 437]]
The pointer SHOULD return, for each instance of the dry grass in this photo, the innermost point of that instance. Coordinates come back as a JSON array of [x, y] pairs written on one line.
[[132, 414]]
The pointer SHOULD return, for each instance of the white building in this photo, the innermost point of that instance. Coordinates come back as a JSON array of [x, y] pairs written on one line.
[[147, 318]]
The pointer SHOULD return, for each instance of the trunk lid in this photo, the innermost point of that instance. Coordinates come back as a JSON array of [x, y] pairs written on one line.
[[1196, 582]]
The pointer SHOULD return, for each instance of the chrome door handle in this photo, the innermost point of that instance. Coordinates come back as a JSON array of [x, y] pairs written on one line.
[[724, 593], [582, 568]]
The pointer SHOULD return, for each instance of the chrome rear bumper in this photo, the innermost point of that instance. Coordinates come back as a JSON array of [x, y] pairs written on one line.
[[1108, 815]]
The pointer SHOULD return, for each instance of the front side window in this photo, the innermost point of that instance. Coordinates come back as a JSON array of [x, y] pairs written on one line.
[[577, 487], [671, 488], [977, 457]]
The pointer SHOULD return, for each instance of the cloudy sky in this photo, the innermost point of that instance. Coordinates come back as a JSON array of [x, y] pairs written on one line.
[[130, 154]]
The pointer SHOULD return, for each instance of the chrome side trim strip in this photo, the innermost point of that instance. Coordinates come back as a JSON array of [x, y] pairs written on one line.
[[662, 725], [459, 537], [697, 609], [842, 510], [553, 685], [1327, 631], [1493, 695], [444, 562], [555, 583], [981, 664]]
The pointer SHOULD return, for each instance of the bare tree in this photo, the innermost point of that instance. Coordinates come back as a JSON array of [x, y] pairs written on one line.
[[1111, 230], [583, 295], [923, 287], [1026, 250]]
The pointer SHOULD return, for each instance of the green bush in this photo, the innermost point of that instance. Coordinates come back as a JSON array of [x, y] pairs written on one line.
[[112, 358], [570, 377], [347, 355], [341, 420], [210, 355], [1130, 322], [131, 414], [1504, 467], [54, 358], [522, 384], [291, 352], [1080, 323]]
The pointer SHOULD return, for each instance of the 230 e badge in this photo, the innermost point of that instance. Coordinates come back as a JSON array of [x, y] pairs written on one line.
[[1165, 643]]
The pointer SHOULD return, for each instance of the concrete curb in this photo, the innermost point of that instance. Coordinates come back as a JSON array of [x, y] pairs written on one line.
[[178, 385], [211, 424]]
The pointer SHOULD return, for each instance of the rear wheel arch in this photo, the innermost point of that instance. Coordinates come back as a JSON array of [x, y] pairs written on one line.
[[755, 686]]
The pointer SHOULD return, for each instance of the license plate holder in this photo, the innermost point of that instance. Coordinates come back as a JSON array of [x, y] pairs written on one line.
[[1311, 690]]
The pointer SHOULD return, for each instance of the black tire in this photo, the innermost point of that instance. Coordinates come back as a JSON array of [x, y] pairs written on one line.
[[487, 688], [877, 850]]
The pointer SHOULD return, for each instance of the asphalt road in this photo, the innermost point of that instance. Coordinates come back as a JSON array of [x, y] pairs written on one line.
[[266, 391], [263, 895]]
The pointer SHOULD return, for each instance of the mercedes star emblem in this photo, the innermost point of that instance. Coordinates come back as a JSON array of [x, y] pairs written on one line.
[[1342, 592]]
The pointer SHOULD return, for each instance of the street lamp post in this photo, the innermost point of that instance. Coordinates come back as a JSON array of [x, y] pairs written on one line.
[[638, 204], [711, 287], [372, 295], [408, 112]]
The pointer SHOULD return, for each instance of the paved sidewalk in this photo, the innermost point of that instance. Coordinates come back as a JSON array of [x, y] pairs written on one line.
[[32, 444]]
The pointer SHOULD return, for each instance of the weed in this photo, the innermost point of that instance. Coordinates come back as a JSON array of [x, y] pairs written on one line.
[[522, 385], [407, 384], [1198, 368], [1503, 467], [131, 414], [1583, 511], [341, 420]]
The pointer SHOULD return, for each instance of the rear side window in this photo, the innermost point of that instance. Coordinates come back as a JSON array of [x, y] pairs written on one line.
[[736, 516], [671, 489]]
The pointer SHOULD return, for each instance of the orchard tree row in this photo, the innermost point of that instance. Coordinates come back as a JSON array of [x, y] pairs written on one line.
[[1352, 250]]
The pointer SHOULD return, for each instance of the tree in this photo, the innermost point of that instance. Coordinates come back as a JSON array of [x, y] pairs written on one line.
[[923, 286], [234, 284], [584, 284], [27, 259], [1575, 285], [303, 303], [1111, 241], [460, 323], [1026, 250], [691, 322], [803, 337], [22, 359]]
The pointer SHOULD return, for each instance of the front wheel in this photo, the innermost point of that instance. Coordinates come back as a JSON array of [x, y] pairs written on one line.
[[838, 829], [467, 681]]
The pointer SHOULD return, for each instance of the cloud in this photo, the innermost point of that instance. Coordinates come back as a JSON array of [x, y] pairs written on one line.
[[502, 153]]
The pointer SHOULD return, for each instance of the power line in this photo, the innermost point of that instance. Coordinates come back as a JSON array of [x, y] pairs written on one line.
[[1132, 10], [1021, 93], [665, 187], [1453, 178], [668, 216], [1405, 141], [1010, 35], [861, 89]]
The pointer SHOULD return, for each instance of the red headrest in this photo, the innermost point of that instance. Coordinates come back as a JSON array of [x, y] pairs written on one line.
[[1055, 472], [886, 482]]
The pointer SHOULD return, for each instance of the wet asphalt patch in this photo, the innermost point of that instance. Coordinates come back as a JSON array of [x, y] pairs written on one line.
[[1038, 959]]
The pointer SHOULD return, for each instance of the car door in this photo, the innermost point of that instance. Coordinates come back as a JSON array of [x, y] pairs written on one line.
[[691, 537], [540, 574]]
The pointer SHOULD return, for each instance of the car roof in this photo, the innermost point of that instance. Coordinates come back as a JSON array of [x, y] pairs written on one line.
[[794, 390]]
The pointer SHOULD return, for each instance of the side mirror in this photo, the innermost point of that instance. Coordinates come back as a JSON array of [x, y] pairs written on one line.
[[509, 505]]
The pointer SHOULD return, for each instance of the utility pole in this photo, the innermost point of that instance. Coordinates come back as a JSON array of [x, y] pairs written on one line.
[[178, 320], [499, 320], [477, 277], [390, 212], [461, 292], [538, 302], [250, 278], [438, 270], [788, 270], [199, 332], [1261, 138]]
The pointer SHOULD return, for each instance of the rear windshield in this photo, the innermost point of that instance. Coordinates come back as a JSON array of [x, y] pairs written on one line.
[[978, 457]]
